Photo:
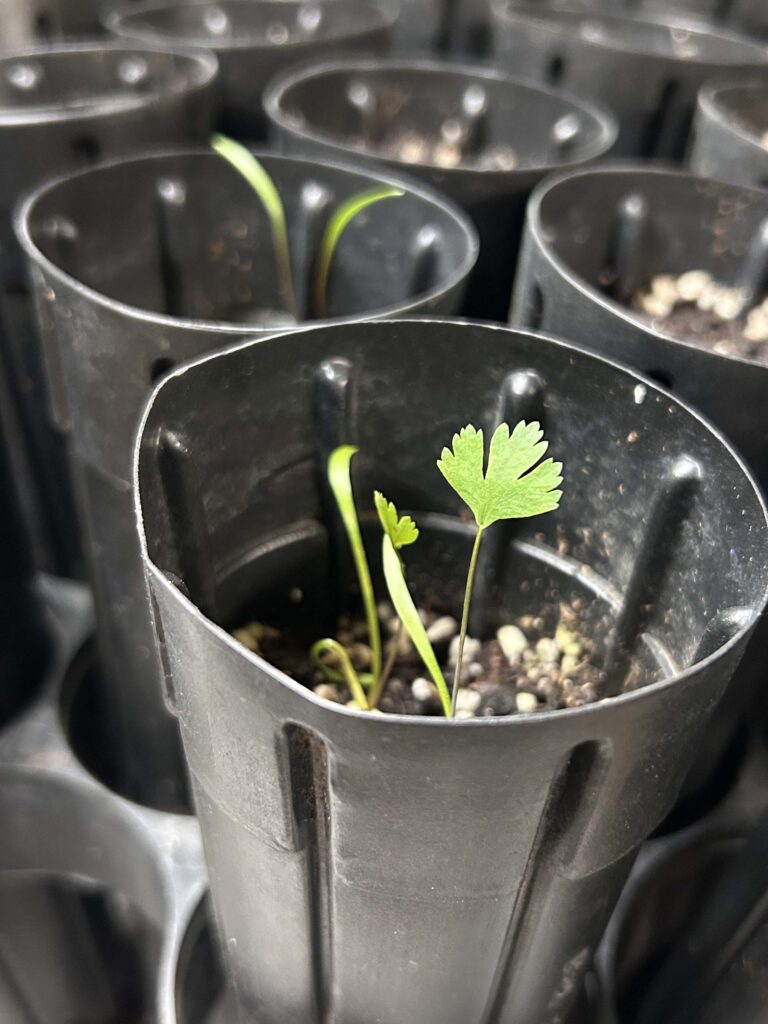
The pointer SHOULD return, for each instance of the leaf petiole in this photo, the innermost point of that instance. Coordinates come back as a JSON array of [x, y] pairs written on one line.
[[465, 617]]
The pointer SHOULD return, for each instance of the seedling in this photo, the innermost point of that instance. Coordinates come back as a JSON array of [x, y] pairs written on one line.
[[510, 488], [516, 484], [254, 173]]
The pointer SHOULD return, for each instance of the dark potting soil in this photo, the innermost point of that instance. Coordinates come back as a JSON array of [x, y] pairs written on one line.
[[696, 308], [534, 664]]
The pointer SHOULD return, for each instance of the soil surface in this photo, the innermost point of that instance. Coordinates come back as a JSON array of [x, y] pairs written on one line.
[[696, 308], [527, 667]]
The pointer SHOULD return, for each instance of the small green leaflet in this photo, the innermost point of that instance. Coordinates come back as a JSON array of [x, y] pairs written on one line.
[[409, 616], [401, 530], [507, 490]]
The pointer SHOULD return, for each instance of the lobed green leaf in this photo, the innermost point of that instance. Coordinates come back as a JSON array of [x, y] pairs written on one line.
[[510, 487]]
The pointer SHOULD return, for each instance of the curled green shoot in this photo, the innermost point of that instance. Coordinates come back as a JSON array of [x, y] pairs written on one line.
[[338, 222], [340, 480], [254, 173], [328, 649]]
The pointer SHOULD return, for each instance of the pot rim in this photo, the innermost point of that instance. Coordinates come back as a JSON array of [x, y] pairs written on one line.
[[204, 67], [578, 283], [414, 721], [275, 92], [115, 21], [710, 104], [505, 13], [26, 206]]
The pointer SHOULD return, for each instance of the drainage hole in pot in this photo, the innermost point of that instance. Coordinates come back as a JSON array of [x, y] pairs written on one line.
[[200, 995], [160, 367], [659, 915], [74, 952], [555, 71], [662, 377], [534, 308], [43, 26], [95, 739], [86, 149]]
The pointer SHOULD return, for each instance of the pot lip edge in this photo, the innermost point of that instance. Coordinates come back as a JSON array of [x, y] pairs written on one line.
[[581, 285], [506, 15], [680, 677], [383, 20], [606, 122], [206, 64], [709, 105], [432, 197]]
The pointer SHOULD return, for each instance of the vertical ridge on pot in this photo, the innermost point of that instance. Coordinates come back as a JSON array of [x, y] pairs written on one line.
[[522, 396], [309, 768], [573, 793], [669, 507]]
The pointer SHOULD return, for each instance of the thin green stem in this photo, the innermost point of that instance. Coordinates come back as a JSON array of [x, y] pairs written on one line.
[[389, 664], [333, 647], [465, 617]]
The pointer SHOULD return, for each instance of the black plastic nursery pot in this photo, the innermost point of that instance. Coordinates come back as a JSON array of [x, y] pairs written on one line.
[[592, 240], [730, 139], [254, 39], [481, 138], [187, 268], [647, 69], [474, 863], [62, 108], [26, 22], [689, 940]]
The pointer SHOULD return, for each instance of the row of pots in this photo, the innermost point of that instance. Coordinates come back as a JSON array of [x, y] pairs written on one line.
[[219, 540]]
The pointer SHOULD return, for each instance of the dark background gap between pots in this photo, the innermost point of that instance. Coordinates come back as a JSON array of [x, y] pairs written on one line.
[[62, 108], [273, 527], [253, 41], [626, 62], [636, 221], [174, 278], [359, 109]]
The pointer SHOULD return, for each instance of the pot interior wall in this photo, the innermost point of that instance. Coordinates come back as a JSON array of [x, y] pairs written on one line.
[[682, 224], [744, 107], [79, 80], [193, 239], [430, 105], [209, 507]]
